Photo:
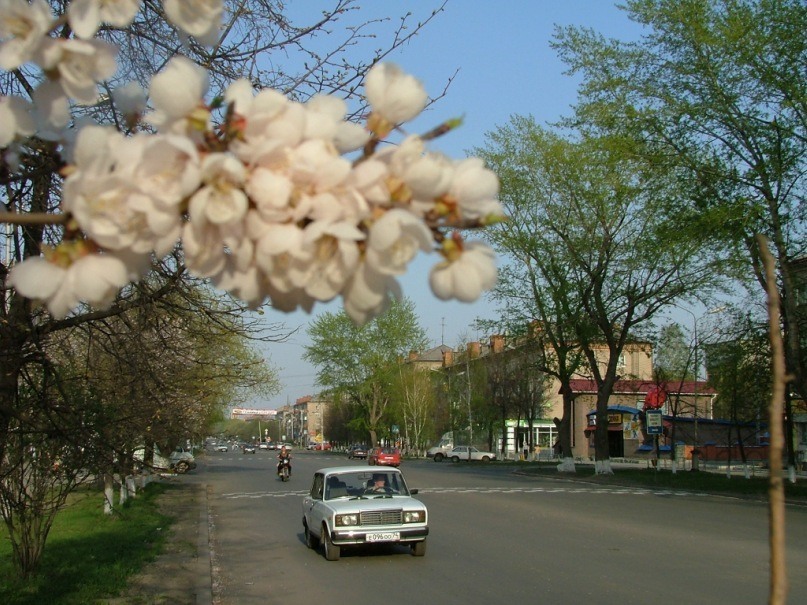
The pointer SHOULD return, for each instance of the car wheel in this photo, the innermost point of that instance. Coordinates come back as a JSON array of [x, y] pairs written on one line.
[[485, 458], [419, 548], [182, 467], [438, 457], [311, 540], [332, 551], [455, 458]]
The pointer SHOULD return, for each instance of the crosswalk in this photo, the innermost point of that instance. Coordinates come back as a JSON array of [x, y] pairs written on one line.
[[596, 490]]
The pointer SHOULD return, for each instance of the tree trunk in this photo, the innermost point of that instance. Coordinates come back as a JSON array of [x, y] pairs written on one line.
[[564, 426], [602, 454], [109, 493], [776, 488]]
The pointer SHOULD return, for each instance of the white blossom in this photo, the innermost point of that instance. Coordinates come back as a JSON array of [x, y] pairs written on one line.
[[465, 276], [125, 192], [395, 240], [130, 99], [221, 199], [369, 179], [368, 294], [176, 92], [94, 278], [199, 18], [315, 166], [23, 27], [205, 245], [475, 189], [15, 119], [394, 95], [80, 64], [282, 255], [85, 16], [334, 259], [51, 110]]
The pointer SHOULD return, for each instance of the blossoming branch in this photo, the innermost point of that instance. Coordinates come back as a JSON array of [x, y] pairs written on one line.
[[264, 203]]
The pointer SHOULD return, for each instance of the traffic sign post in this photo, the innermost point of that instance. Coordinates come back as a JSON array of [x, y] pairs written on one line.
[[653, 422], [655, 425]]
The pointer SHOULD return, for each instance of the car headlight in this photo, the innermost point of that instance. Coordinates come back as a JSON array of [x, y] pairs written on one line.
[[414, 516], [344, 520]]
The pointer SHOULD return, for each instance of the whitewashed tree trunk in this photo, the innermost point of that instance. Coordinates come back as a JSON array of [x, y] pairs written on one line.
[[603, 467], [123, 496], [567, 466], [131, 485], [109, 493]]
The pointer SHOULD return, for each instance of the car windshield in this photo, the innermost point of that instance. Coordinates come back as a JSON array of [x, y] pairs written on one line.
[[365, 484]]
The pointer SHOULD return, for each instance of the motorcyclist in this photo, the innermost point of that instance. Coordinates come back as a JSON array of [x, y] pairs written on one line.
[[283, 455]]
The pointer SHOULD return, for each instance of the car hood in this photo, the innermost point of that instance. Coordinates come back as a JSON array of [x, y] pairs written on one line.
[[347, 505]]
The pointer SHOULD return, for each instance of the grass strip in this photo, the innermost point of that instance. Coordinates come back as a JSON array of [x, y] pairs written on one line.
[[89, 555], [701, 481]]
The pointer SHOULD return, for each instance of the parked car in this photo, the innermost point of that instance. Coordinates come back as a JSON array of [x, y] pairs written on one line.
[[442, 449], [181, 460], [466, 452], [222, 447], [384, 456], [357, 451], [264, 446], [248, 448], [439, 452], [348, 506], [324, 446]]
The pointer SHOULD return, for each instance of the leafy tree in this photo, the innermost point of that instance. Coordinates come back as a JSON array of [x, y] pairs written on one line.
[[673, 355], [739, 370], [149, 375], [587, 219], [413, 404], [360, 362], [717, 92]]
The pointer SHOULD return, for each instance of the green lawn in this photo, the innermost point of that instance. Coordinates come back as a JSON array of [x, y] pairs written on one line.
[[88, 555]]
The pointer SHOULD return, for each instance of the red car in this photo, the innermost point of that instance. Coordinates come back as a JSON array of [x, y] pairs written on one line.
[[384, 456], [325, 445]]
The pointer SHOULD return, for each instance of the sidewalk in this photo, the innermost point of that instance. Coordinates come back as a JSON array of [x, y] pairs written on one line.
[[182, 574]]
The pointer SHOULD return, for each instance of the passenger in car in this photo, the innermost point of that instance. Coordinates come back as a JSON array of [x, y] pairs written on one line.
[[335, 488]]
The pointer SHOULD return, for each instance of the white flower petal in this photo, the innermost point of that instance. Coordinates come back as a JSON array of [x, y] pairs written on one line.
[[395, 95]]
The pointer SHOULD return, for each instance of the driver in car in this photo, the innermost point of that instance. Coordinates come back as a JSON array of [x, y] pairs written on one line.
[[379, 484]]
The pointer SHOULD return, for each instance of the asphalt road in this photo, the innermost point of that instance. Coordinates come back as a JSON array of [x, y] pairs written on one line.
[[495, 537]]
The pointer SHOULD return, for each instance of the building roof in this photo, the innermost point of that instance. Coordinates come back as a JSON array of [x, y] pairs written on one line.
[[435, 354]]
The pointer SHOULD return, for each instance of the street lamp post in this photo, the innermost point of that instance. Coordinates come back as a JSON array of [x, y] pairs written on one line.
[[696, 344]]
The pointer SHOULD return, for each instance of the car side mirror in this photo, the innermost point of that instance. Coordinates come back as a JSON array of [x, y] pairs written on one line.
[[413, 491]]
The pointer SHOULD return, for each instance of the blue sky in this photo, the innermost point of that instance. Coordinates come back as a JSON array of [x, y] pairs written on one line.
[[505, 66]]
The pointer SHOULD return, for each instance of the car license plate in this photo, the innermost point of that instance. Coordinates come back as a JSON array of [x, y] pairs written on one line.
[[384, 536]]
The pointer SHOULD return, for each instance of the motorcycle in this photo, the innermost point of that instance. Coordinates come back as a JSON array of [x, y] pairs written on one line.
[[284, 469]]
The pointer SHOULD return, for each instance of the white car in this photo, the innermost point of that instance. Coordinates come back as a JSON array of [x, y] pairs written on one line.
[[356, 506], [466, 452], [221, 448]]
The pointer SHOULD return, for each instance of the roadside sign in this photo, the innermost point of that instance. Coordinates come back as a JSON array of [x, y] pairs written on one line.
[[654, 422]]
